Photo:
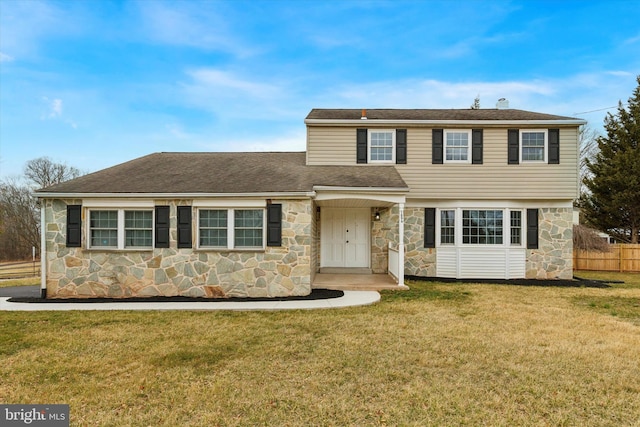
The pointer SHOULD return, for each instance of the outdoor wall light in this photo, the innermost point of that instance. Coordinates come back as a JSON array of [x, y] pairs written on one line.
[[377, 216]]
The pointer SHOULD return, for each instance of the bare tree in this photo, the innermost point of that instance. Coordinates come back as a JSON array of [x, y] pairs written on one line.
[[44, 172], [19, 221], [588, 146], [19, 211]]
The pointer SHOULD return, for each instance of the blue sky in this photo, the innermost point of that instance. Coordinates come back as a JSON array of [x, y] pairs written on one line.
[[95, 83]]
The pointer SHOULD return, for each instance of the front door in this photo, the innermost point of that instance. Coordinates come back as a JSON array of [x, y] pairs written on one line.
[[344, 238]]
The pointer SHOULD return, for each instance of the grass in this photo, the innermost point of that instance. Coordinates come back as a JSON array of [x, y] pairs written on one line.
[[440, 354], [625, 305]]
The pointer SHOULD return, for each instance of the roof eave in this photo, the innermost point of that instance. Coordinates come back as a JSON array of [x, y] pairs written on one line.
[[361, 189], [363, 122], [292, 194]]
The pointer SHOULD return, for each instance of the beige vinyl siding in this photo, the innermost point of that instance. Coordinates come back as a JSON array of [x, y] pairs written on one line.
[[494, 179], [335, 146]]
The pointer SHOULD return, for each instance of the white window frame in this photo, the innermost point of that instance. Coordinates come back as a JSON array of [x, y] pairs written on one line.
[[440, 227], [444, 145], [458, 228], [121, 233], [393, 145], [231, 229], [544, 148], [522, 228]]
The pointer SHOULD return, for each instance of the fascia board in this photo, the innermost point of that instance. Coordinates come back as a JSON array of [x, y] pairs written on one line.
[[361, 189], [515, 123], [53, 195]]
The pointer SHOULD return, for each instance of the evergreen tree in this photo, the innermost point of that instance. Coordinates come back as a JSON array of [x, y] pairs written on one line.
[[613, 204], [476, 103]]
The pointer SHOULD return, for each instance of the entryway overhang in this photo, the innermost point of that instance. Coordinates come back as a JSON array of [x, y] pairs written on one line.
[[359, 196], [351, 198]]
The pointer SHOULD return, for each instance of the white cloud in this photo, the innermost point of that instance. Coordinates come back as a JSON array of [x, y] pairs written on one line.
[[231, 95], [5, 58], [197, 24], [54, 111], [294, 141]]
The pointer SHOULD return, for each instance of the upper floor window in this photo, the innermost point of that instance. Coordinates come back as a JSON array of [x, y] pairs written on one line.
[[119, 228], [382, 146], [533, 146], [457, 146]]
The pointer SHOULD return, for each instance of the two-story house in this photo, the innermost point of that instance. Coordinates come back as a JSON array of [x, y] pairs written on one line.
[[483, 193]]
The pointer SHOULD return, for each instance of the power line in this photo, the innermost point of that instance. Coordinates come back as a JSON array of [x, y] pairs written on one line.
[[600, 109]]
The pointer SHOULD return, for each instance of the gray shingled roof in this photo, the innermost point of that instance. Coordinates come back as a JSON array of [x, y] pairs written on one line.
[[180, 173], [432, 114]]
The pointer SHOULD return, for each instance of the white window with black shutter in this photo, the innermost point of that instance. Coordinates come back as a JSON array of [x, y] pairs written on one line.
[[457, 146], [533, 146], [381, 146], [246, 225]]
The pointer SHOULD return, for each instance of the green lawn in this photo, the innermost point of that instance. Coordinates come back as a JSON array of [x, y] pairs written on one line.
[[440, 354]]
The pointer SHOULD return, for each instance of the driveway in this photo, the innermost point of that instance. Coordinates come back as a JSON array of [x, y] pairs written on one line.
[[20, 291]]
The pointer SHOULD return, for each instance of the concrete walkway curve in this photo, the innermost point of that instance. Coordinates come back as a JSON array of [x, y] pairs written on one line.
[[349, 299]]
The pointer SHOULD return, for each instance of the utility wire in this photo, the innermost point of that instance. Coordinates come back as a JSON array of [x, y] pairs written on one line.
[[600, 109]]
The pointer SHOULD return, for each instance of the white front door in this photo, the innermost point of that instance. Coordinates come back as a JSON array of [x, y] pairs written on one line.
[[344, 237]]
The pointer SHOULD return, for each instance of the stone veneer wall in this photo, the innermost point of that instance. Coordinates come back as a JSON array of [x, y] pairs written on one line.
[[418, 260], [274, 272], [554, 257]]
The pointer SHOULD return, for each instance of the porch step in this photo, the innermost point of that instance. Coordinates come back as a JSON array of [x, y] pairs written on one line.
[[356, 282], [344, 270]]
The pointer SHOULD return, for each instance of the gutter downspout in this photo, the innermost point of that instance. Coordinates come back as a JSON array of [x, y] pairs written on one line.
[[401, 245], [43, 252]]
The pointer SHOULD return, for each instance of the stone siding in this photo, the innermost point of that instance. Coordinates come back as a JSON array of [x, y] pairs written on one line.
[[418, 260], [554, 257], [274, 272]]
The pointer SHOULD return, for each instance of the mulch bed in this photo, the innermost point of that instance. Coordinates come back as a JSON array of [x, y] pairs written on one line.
[[575, 283], [314, 295]]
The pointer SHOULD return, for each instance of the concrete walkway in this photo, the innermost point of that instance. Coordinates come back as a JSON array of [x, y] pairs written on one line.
[[349, 299]]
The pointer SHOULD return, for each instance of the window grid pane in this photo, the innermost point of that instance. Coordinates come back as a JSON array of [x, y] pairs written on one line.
[[447, 227], [516, 227], [213, 228], [457, 146], [103, 226], [533, 146], [483, 227], [248, 228], [138, 229], [381, 146]]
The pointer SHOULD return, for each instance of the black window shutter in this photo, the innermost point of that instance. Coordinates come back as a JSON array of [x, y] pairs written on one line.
[[476, 146], [437, 147], [74, 226], [430, 227], [162, 226], [514, 146], [361, 146], [401, 146], [532, 228], [554, 146], [274, 225], [184, 227]]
